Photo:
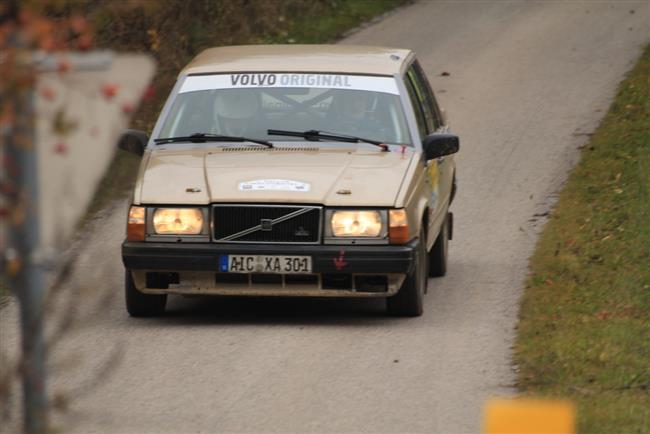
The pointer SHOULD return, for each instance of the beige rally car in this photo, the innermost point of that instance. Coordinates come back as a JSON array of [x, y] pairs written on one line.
[[315, 171]]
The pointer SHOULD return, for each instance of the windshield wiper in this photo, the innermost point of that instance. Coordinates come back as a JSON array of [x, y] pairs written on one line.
[[206, 137], [315, 135]]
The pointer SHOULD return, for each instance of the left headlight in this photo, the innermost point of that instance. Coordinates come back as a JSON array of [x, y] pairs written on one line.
[[178, 221], [356, 223]]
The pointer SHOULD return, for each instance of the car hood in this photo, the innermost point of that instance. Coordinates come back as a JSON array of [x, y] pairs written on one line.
[[346, 176]]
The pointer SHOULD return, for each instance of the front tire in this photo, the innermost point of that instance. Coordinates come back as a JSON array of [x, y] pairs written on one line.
[[139, 304], [409, 299], [439, 251]]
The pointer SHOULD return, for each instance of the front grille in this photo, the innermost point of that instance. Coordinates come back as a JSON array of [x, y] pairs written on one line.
[[266, 224]]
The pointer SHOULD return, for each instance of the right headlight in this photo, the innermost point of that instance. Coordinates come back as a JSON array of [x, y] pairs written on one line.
[[356, 224]]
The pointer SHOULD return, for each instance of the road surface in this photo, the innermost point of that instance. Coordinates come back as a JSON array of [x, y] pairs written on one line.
[[527, 83]]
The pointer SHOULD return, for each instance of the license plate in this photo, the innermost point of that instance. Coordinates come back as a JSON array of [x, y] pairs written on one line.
[[265, 264]]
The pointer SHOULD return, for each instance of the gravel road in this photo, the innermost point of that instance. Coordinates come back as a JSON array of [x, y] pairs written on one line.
[[527, 82]]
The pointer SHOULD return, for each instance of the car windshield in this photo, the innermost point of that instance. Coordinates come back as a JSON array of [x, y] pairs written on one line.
[[250, 104]]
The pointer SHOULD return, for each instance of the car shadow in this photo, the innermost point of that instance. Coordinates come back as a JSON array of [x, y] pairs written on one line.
[[271, 311]]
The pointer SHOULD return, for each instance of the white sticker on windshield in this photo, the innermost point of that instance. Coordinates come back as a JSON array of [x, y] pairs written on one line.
[[274, 184], [254, 80]]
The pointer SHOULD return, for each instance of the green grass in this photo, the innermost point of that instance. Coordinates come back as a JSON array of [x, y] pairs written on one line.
[[338, 18], [584, 330]]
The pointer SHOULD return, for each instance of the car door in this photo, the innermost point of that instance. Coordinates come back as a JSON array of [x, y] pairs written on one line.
[[440, 170]]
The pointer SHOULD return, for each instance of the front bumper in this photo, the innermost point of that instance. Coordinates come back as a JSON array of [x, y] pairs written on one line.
[[198, 265]]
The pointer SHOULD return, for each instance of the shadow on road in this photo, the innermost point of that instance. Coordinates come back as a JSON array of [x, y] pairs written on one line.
[[270, 311]]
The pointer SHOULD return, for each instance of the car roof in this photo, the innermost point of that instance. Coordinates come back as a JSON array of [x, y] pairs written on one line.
[[350, 59]]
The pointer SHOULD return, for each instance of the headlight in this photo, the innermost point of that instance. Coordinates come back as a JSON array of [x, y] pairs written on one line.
[[178, 221], [356, 223]]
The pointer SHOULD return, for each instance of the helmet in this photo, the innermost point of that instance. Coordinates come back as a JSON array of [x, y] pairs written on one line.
[[236, 104]]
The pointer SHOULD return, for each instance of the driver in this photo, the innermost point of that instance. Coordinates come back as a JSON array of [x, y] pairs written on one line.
[[351, 113], [236, 112]]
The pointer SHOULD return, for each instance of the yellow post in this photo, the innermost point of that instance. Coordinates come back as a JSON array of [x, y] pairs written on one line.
[[528, 416]]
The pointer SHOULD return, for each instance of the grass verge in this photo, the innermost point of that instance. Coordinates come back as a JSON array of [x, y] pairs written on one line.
[[584, 332], [339, 18]]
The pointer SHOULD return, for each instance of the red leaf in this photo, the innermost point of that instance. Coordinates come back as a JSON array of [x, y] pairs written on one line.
[[85, 41], [48, 93], [148, 93], [63, 66], [127, 108], [61, 148], [109, 90]]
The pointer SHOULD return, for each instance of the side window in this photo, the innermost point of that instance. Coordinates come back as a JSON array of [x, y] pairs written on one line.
[[427, 99], [419, 116], [427, 86]]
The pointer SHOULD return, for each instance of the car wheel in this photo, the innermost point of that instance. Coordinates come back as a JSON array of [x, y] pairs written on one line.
[[408, 300], [139, 304], [438, 253]]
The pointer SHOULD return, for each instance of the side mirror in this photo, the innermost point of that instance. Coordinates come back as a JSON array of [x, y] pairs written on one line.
[[440, 144], [133, 141]]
